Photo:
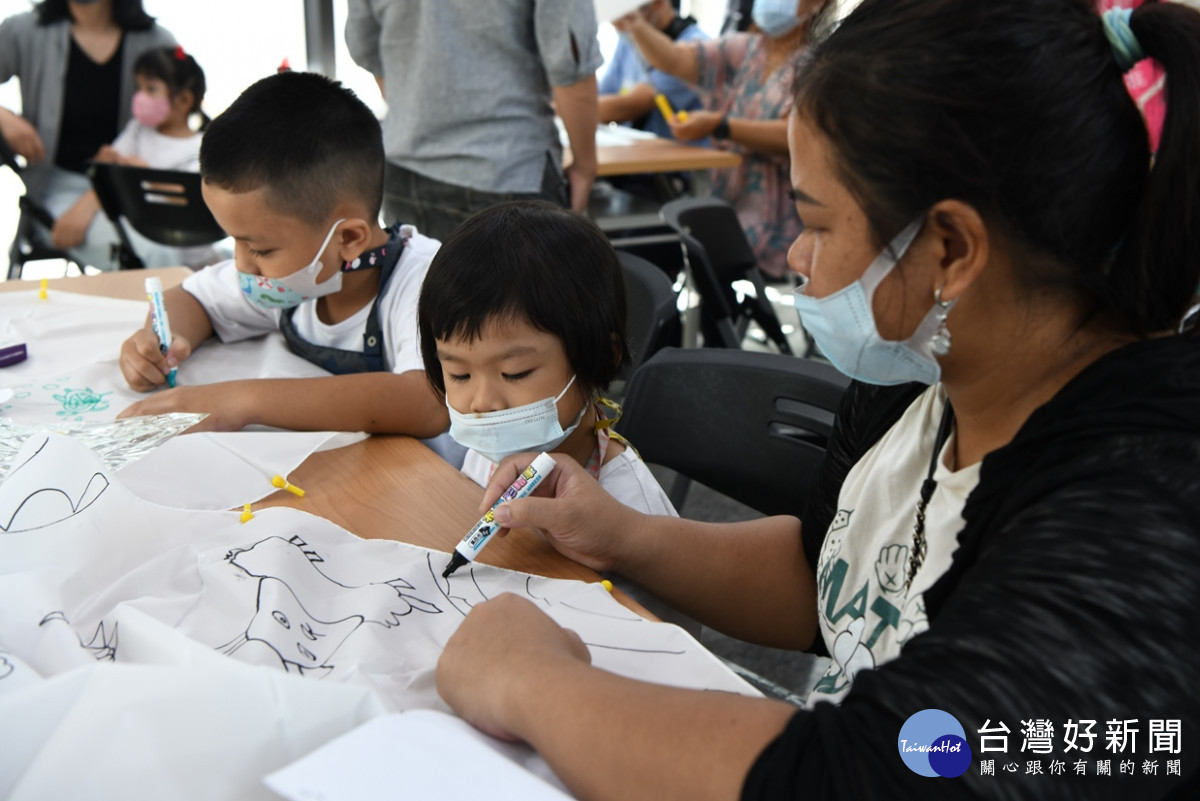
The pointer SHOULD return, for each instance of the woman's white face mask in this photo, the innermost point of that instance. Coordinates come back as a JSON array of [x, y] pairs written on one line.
[[843, 326], [531, 427]]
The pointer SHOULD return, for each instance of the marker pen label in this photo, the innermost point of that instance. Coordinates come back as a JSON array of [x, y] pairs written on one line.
[[481, 533]]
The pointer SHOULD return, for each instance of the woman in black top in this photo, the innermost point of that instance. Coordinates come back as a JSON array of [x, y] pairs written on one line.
[[986, 233], [75, 63]]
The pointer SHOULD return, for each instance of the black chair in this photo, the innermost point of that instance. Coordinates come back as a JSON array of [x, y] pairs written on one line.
[[752, 426], [652, 310], [34, 222], [718, 254], [165, 206]]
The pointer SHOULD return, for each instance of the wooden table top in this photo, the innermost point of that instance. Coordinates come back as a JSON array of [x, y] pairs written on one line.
[[659, 155], [123, 284]]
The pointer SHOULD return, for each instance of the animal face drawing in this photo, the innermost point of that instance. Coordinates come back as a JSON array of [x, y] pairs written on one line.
[[302, 614]]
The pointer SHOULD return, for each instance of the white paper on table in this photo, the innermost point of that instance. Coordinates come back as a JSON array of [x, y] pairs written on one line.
[[191, 726], [417, 754], [94, 390], [73, 377], [91, 573], [608, 135], [219, 470], [65, 329], [609, 10], [620, 136]]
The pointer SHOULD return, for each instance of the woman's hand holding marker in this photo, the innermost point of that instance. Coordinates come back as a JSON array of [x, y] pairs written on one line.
[[580, 518]]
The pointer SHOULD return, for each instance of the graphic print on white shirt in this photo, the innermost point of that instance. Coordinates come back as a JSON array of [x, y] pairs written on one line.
[[865, 608]]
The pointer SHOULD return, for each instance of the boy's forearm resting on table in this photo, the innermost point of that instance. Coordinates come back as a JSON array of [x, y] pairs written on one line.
[[750, 580], [378, 402]]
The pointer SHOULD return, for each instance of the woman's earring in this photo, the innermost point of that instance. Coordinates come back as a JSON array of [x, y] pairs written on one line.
[[940, 344]]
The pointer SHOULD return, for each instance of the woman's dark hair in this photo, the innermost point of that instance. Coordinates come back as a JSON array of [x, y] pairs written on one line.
[[528, 261], [179, 71], [1018, 107], [128, 14]]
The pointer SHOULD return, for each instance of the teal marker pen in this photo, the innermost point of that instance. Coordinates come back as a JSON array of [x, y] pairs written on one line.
[[158, 318]]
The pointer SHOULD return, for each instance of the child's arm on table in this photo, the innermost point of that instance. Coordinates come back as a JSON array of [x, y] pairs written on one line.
[[143, 363], [378, 402]]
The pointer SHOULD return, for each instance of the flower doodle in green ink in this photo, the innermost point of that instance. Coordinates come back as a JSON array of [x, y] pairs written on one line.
[[81, 401]]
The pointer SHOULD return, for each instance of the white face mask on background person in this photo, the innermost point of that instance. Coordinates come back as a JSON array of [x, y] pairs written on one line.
[[531, 427], [843, 326], [776, 18], [294, 289]]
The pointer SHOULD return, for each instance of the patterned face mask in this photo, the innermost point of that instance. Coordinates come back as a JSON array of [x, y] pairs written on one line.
[[291, 291]]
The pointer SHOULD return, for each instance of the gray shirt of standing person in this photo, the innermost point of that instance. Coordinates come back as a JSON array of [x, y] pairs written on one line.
[[469, 84]]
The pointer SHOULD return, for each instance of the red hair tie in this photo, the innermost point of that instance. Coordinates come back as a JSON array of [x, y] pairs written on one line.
[[179, 54]]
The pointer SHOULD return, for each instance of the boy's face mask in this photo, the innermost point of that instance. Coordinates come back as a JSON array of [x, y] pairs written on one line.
[[532, 427], [294, 289], [843, 326]]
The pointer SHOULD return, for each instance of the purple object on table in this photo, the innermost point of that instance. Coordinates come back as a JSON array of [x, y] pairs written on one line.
[[11, 354]]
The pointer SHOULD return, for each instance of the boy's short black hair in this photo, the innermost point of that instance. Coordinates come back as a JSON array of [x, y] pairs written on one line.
[[530, 261], [306, 138]]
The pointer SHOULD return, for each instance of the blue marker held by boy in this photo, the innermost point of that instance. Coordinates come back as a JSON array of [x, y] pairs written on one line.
[[481, 533], [158, 318]]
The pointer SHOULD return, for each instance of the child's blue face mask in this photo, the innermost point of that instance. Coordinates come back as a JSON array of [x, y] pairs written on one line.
[[531, 427], [291, 291], [843, 326]]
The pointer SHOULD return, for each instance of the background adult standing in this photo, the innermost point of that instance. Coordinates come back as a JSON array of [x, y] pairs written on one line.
[[74, 59], [473, 89], [744, 81]]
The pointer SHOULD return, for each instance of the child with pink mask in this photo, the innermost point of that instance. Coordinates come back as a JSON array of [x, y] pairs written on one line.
[[170, 88]]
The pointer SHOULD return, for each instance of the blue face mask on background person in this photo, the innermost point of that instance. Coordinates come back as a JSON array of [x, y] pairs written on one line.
[[776, 18], [531, 427], [843, 326], [291, 291]]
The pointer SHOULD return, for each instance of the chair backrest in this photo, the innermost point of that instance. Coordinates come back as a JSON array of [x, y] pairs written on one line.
[[715, 225], [652, 310], [752, 426], [711, 233], [164, 206]]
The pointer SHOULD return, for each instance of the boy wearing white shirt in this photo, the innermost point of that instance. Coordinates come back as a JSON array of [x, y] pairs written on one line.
[[293, 171]]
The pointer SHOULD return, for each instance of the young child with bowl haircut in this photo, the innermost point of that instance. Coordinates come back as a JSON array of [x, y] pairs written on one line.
[[522, 322]]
